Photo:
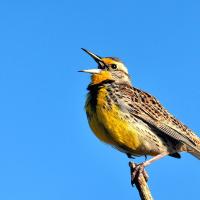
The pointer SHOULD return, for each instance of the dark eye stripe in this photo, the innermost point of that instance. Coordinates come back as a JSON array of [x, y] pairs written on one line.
[[101, 67]]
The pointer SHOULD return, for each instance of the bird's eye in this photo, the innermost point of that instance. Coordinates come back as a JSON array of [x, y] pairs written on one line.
[[114, 66]]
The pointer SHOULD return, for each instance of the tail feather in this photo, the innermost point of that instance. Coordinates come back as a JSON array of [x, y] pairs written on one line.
[[195, 149], [196, 154]]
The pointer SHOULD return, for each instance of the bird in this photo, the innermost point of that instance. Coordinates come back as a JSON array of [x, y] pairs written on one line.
[[130, 119]]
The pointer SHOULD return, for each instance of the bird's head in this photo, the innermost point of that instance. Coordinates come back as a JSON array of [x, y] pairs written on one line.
[[109, 68]]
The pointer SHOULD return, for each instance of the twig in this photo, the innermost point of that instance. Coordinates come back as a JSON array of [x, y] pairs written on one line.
[[140, 181]]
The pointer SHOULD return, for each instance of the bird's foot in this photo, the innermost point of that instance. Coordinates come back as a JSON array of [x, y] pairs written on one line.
[[137, 170], [130, 156]]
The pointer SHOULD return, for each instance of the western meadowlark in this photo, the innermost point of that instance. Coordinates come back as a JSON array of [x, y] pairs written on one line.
[[131, 120]]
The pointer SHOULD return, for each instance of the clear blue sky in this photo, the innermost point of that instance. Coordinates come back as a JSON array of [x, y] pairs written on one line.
[[47, 150]]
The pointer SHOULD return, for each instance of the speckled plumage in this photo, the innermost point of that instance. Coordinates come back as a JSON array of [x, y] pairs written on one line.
[[132, 120]]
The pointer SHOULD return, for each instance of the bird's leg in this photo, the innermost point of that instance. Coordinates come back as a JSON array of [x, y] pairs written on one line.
[[138, 170], [159, 156]]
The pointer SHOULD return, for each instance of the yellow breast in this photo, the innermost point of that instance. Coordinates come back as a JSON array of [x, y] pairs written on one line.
[[109, 124]]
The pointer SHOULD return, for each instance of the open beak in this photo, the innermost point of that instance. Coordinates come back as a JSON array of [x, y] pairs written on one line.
[[97, 59], [91, 71]]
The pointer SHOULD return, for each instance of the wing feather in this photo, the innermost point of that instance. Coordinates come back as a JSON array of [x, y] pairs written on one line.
[[148, 109]]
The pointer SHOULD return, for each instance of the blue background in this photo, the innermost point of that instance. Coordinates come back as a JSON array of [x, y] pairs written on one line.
[[47, 150]]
